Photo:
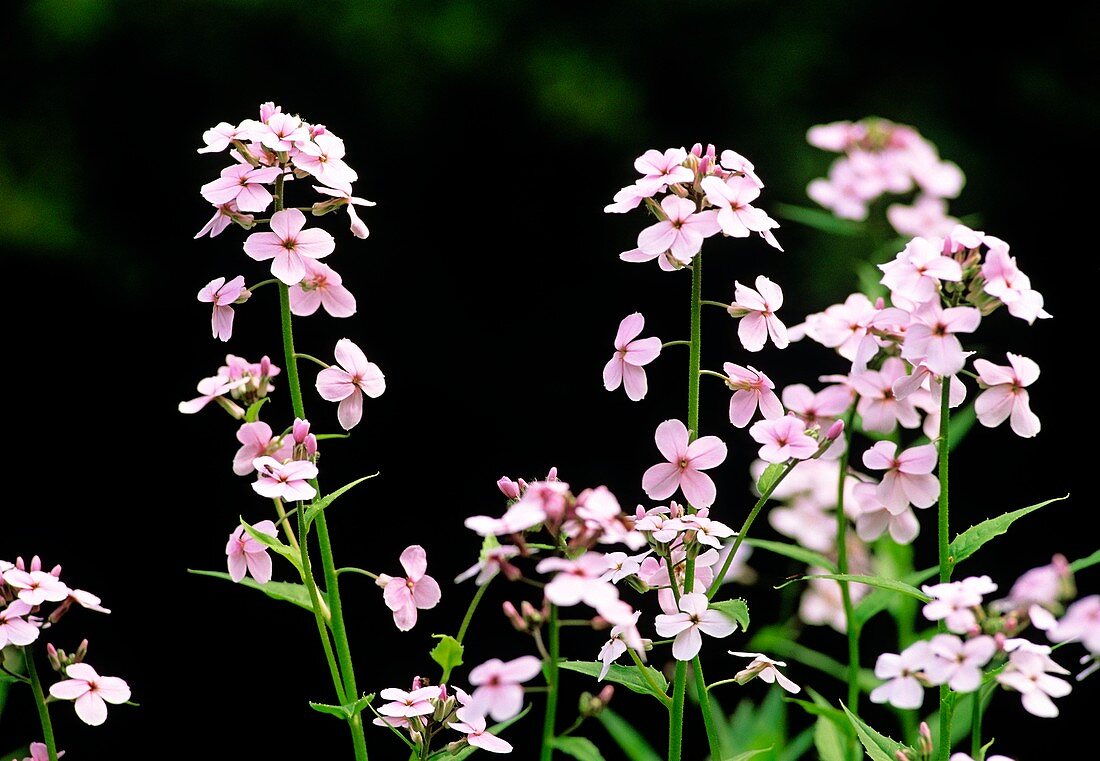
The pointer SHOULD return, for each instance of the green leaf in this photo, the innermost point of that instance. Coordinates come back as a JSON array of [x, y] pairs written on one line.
[[830, 742], [496, 729], [971, 540], [6, 678], [878, 746], [797, 746], [448, 653], [253, 412], [822, 708], [345, 712], [793, 551], [750, 754], [1087, 562], [872, 581], [880, 599], [628, 676], [327, 436], [274, 544], [23, 751], [735, 610], [578, 747], [819, 220], [277, 590], [630, 741], [314, 508], [769, 477]]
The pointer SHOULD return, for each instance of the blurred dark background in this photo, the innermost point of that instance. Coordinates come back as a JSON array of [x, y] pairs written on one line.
[[491, 133]]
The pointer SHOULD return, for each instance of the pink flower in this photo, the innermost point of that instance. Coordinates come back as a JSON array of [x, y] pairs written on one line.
[[14, 629], [579, 580], [288, 481], [321, 286], [751, 389], [288, 245], [880, 408], [965, 757], [36, 587], [243, 184], [498, 683], [358, 229], [223, 295], [688, 626], [681, 232], [820, 409], [39, 752], [955, 601], [908, 479], [1081, 623], [903, 672], [661, 169], [737, 217], [875, 518], [91, 692], [257, 440], [707, 530], [764, 667], [490, 563], [224, 214], [622, 637], [629, 198], [218, 137], [1029, 673], [735, 162], [347, 383], [472, 722], [956, 663], [212, 389], [782, 439], [685, 465], [283, 132], [417, 591], [1046, 585], [757, 309], [1004, 281], [842, 326], [631, 353], [931, 337], [914, 275], [406, 705], [247, 555], [1005, 395], [927, 217], [326, 163]]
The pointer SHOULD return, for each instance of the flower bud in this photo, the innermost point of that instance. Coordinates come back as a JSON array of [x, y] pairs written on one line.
[[599, 623], [637, 583], [508, 487], [456, 747], [383, 579], [245, 296], [924, 740], [81, 651], [591, 705], [519, 623], [531, 614], [835, 431], [53, 656]]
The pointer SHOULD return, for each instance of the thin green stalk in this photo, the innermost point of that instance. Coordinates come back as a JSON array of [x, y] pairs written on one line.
[[319, 616], [714, 739], [676, 714], [551, 715], [944, 554], [470, 611], [976, 728], [842, 567], [40, 703], [649, 678]]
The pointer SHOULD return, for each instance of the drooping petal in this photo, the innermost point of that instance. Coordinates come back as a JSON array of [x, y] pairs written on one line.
[[629, 329], [426, 593], [613, 372], [259, 565], [91, 709], [698, 488], [753, 331], [350, 411], [635, 382]]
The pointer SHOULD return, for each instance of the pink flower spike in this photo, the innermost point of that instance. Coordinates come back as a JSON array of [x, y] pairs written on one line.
[[694, 619], [764, 667], [908, 478], [223, 295], [358, 229], [288, 481], [471, 721], [686, 461], [757, 309], [321, 286], [782, 439], [35, 587], [416, 591], [631, 354], [681, 232], [931, 337], [14, 629], [499, 692], [347, 383], [91, 692], [287, 245], [247, 555], [1005, 394], [243, 184], [752, 389]]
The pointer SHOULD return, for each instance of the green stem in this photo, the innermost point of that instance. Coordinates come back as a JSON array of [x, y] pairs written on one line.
[[40, 702], [466, 624], [311, 358], [842, 567], [714, 304], [666, 344], [648, 677], [676, 714], [944, 554], [976, 727], [714, 374], [550, 718], [714, 740]]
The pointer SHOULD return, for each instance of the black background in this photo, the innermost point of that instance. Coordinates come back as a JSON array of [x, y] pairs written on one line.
[[491, 135]]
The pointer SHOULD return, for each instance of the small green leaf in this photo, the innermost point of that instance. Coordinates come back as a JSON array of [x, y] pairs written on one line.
[[822, 708], [345, 712], [735, 610], [819, 220], [314, 508], [277, 590], [830, 742], [629, 739], [793, 551], [327, 436], [628, 676], [496, 729], [578, 747], [872, 581], [770, 477], [274, 544], [1087, 562], [878, 746], [448, 653], [971, 540], [253, 413], [6, 678], [751, 754]]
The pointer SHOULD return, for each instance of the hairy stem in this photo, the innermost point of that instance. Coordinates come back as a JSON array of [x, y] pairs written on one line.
[[945, 558], [714, 740], [551, 715], [40, 703]]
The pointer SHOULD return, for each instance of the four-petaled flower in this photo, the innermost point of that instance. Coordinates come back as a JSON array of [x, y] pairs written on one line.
[[751, 389], [685, 466], [246, 554], [36, 586], [681, 232], [782, 439], [631, 353], [347, 383], [288, 245], [736, 216], [288, 481], [688, 626], [499, 692], [903, 672], [764, 667], [91, 692], [14, 629], [416, 591], [908, 478], [321, 286], [471, 721], [1005, 395], [222, 295], [757, 309], [1029, 673]]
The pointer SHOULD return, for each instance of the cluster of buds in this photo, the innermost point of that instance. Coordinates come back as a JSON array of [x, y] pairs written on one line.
[[238, 380]]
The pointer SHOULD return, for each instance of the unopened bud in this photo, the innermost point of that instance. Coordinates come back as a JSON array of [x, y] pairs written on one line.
[[244, 296], [81, 651], [508, 487], [53, 657], [530, 613], [56, 571], [519, 623], [552, 475], [637, 583], [925, 739], [835, 431], [383, 579], [599, 623], [456, 747], [592, 705]]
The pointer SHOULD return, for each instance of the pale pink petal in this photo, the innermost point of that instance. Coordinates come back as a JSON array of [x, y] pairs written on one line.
[[1025, 423], [672, 440], [303, 303], [415, 561], [91, 709], [489, 742], [785, 683], [920, 459], [1027, 370], [770, 406], [778, 332], [1038, 704], [698, 488], [771, 292], [521, 669], [643, 351], [288, 267], [238, 566], [259, 565], [753, 331], [405, 617], [338, 300], [658, 238], [613, 372], [991, 374], [113, 690], [285, 223], [880, 456], [426, 593], [335, 384], [373, 382], [687, 644], [661, 480], [904, 527], [672, 625], [743, 405], [350, 411], [635, 382], [994, 405], [706, 452], [70, 689], [629, 329], [351, 357], [922, 491], [314, 243], [714, 624], [263, 246]]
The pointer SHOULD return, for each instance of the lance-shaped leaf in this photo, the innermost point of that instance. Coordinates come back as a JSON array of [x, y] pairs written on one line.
[[878, 746], [314, 508], [872, 581], [345, 712], [793, 551], [629, 739], [578, 747], [971, 540], [628, 676], [274, 544], [277, 590]]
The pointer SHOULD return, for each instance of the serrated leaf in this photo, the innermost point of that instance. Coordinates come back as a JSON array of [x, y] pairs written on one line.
[[274, 544], [628, 676], [971, 540], [830, 742], [822, 708], [296, 594], [630, 741], [819, 220], [735, 610], [878, 746], [345, 712], [578, 747], [793, 551], [496, 729], [448, 653], [1087, 562], [314, 508], [770, 477], [253, 412], [872, 581]]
